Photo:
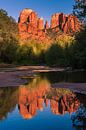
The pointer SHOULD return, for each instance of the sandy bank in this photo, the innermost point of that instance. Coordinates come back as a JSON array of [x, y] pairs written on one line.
[[11, 77]]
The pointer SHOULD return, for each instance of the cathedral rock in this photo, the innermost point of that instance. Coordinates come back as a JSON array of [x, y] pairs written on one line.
[[32, 27]]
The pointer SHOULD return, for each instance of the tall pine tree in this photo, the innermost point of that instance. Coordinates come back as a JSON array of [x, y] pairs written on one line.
[[79, 9]]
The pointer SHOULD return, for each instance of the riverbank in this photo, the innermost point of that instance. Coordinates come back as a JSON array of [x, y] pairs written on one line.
[[18, 75], [12, 76]]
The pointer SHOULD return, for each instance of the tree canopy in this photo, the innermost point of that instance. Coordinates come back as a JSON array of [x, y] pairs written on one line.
[[79, 9], [7, 23]]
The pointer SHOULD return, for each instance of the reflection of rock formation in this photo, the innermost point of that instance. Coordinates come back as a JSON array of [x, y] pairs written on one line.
[[66, 103], [54, 106], [32, 98]]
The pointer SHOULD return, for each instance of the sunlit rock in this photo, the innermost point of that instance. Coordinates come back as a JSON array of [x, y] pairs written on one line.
[[32, 27]]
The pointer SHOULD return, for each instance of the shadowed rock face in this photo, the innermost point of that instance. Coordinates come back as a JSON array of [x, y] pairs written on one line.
[[30, 26], [46, 25]]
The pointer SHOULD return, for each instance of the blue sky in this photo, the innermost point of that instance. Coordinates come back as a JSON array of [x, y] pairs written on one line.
[[44, 8]]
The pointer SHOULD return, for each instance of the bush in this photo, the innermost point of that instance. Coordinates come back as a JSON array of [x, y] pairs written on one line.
[[65, 40], [31, 52], [78, 51], [8, 48], [8, 38], [54, 55]]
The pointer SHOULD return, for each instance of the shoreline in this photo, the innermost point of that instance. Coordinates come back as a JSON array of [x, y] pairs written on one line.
[[12, 77]]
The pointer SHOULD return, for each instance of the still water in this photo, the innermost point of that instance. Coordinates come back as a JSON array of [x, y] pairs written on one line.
[[38, 106]]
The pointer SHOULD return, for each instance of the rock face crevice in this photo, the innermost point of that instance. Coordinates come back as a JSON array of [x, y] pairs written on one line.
[[30, 26]]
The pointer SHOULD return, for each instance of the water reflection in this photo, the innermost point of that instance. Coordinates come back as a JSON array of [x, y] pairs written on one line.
[[70, 77], [8, 101], [32, 98], [37, 95]]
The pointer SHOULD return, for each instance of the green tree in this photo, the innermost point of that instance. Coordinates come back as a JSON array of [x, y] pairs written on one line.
[[78, 51], [79, 9], [8, 37], [54, 55], [7, 23], [24, 54], [8, 48]]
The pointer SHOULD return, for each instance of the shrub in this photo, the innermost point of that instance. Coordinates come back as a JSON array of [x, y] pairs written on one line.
[[8, 48], [54, 55]]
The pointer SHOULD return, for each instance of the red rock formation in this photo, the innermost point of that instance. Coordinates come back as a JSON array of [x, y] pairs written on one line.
[[71, 25], [54, 21], [66, 23], [40, 23], [46, 25], [24, 15], [30, 26]]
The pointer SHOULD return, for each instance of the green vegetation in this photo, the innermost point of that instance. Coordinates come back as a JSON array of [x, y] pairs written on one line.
[[8, 101], [8, 38], [80, 9], [7, 23], [65, 51], [54, 55], [8, 49], [31, 52], [78, 51]]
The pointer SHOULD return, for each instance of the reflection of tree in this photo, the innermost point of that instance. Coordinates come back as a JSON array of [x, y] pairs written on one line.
[[79, 118], [38, 92], [8, 100]]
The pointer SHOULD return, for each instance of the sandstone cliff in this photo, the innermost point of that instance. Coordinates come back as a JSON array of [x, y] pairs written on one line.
[[66, 23], [30, 26]]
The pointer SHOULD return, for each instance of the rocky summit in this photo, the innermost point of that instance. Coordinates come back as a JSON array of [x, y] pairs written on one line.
[[32, 27]]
